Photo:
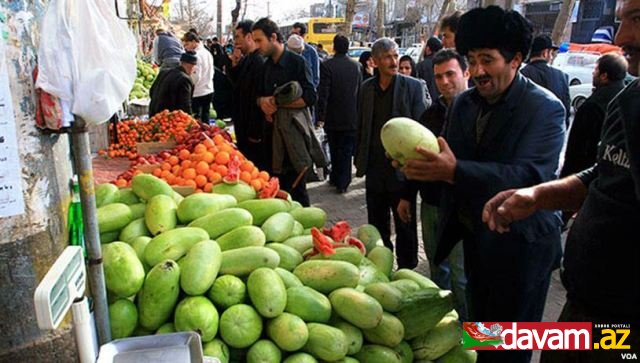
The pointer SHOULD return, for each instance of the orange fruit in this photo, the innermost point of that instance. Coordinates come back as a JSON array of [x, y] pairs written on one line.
[[121, 183], [246, 166], [208, 143], [173, 160], [171, 179], [190, 183], [219, 139], [222, 158], [222, 170], [208, 157], [245, 176], [189, 173], [157, 172], [185, 164], [184, 154], [175, 169], [202, 168], [207, 188], [165, 166], [255, 173], [199, 149], [164, 174], [201, 180], [214, 176], [256, 184], [264, 176]]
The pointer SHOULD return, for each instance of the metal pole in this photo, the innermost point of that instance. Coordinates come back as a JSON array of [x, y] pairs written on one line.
[[82, 157]]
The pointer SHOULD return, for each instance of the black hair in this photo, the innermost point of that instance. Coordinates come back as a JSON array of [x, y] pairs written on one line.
[[268, 27], [302, 27], [492, 27], [340, 44], [451, 21], [434, 44], [193, 30], [408, 58], [245, 26], [320, 46], [190, 37], [445, 55], [364, 57], [614, 65], [536, 53], [214, 39]]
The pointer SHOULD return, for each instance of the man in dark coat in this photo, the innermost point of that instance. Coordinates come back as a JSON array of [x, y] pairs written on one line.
[[283, 66], [424, 69], [340, 78], [506, 132], [382, 97], [608, 81], [601, 270], [172, 89], [539, 71], [248, 120]]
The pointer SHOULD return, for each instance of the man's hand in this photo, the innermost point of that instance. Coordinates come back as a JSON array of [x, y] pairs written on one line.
[[509, 206], [435, 166], [404, 210], [319, 124], [268, 105]]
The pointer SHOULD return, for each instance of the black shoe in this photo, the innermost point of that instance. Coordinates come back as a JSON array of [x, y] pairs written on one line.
[[341, 190]]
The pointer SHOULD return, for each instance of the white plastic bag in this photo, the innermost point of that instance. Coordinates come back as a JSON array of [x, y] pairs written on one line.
[[86, 57]]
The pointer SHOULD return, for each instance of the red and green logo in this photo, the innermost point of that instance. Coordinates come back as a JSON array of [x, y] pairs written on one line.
[[477, 335]]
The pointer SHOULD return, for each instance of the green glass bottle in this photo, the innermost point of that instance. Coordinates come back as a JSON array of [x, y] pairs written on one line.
[[75, 225]]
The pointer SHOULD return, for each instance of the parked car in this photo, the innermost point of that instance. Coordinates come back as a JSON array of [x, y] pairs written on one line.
[[578, 65], [579, 93], [414, 51], [355, 52]]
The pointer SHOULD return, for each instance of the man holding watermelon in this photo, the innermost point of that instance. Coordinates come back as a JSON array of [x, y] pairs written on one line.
[[601, 269], [503, 133]]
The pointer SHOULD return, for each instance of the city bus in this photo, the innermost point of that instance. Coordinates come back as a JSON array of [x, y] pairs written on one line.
[[319, 30]]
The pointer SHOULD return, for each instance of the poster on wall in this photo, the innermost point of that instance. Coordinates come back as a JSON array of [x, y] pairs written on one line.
[[11, 198]]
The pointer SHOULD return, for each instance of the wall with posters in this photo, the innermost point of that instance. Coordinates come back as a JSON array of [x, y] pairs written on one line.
[[35, 170]]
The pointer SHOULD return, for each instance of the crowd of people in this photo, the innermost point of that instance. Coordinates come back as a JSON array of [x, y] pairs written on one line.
[[491, 200]]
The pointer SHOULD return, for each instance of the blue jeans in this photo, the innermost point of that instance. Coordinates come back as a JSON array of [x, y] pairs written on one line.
[[449, 274]]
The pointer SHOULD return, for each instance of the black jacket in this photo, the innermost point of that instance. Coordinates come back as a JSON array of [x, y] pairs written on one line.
[[340, 78], [433, 119], [171, 90], [425, 72], [552, 79], [247, 117], [586, 129]]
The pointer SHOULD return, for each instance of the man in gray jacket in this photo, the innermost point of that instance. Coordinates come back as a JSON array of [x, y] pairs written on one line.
[[382, 97], [340, 78]]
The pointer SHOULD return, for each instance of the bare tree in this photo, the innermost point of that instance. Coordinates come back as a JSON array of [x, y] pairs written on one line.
[[244, 9], [349, 13], [561, 21], [193, 14], [444, 10], [236, 12], [380, 18]]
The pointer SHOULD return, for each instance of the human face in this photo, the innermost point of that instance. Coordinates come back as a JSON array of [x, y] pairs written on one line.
[[491, 72], [371, 63], [240, 40], [448, 38], [264, 44], [628, 36], [190, 45], [599, 79], [189, 68], [387, 62], [450, 79], [405, 68]]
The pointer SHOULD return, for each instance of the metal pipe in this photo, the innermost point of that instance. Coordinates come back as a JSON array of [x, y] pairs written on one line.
[[82, 157]]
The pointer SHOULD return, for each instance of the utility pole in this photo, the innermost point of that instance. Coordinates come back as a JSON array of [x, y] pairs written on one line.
[[268, 8], [219, 19]]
